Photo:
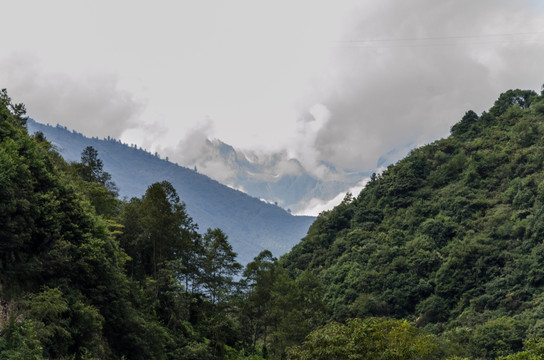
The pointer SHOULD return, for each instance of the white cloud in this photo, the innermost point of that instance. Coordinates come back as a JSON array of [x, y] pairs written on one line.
[[410, 70], [342, 82], [315, 206], [91, 103]]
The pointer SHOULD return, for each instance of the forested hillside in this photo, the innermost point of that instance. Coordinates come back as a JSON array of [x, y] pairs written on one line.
[[252, 225], [84, 275], [439, 257], [449, 238]]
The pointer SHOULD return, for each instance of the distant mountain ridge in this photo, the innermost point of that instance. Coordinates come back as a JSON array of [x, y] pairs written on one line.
[[252, 225], [275, 177]]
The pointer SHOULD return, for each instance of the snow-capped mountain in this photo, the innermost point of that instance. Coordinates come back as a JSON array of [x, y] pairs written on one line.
[[274, 177]]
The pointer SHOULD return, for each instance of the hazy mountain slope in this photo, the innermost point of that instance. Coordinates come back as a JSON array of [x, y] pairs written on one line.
[[251, 224], [275, 176], [450, 237]]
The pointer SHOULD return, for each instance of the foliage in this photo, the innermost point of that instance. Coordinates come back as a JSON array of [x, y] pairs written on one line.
[[449, 237], [218, 265], [533, 350], [373, 338], [96, 183], [62, 267], [19, 341], [156, 230], [438, 257], [251, 224]]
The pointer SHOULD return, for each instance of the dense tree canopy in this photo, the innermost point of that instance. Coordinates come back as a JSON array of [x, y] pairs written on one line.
[[84, 275], [367, 339], [438, 257], [450, 237]]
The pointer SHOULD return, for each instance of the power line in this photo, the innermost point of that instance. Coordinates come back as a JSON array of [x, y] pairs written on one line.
[[438, 40], [439, 37]]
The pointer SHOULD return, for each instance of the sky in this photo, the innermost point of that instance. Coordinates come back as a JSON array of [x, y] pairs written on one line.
[[349, 83]]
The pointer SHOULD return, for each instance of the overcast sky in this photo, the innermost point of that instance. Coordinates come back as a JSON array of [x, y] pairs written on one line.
[[339, 81]]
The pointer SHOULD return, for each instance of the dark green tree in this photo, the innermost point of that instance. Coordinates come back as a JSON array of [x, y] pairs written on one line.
[[260, 276], [18, 111], [60, 265], [91, 169], [96, 183], [465, 127], [157, 230], [219, 266], [523, 98], [297, 309]]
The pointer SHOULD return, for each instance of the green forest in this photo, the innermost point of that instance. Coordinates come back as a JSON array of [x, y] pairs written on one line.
[[87, 276], [439, 257]]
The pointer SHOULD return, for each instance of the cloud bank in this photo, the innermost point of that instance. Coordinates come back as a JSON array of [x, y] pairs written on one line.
[[351, 84], [92, 103], [407, 71]]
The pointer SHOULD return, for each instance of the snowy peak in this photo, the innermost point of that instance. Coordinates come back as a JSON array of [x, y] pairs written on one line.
[[274, 176]]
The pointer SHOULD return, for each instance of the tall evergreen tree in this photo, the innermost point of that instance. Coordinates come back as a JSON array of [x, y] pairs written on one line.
[[157, 230], [219, 265]]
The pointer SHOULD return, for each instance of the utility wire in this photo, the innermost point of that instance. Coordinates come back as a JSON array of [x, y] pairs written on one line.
[[424, 41], [438, 37]]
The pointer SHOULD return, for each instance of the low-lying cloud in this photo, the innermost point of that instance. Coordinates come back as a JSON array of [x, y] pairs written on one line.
[[409, 70], [92, 104], [398, 76], [315, 206]]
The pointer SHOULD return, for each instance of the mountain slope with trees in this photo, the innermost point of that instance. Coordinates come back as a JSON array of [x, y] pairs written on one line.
[[251, 224], [84, 275], [439, 257], [450, 238]]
